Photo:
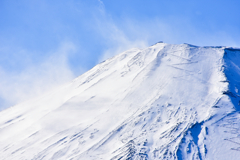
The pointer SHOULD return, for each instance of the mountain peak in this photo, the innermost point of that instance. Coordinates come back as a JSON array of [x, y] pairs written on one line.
[[163, 102]]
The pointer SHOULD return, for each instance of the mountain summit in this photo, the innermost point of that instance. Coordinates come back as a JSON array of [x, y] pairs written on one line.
[[163, 102]]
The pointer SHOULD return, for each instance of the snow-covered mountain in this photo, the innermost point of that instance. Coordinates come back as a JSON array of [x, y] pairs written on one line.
[[162, 102]]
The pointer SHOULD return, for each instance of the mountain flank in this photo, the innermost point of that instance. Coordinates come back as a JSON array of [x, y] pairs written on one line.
[[162, 102]]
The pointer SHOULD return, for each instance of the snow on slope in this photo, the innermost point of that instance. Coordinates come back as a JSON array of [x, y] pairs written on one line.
[[162, 102]]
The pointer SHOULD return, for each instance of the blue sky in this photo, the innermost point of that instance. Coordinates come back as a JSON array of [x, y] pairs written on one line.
[[46, 43]]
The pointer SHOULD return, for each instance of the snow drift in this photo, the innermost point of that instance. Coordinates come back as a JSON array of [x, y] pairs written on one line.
[[162, 102]]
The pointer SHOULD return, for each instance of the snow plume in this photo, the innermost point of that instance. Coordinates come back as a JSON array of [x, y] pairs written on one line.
[[36, 78], [120, 42], [128, 32], [115, 36]]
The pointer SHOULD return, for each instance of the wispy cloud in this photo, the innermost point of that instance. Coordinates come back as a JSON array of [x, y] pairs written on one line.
[[115, 37], [36, 78], [128, 32], [118, 41], [101, 6]]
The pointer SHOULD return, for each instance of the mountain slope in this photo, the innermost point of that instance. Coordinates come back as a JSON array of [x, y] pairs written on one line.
[[162, 102]]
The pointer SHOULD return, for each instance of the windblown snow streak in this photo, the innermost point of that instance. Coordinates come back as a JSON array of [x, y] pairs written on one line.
[[162, 102]]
